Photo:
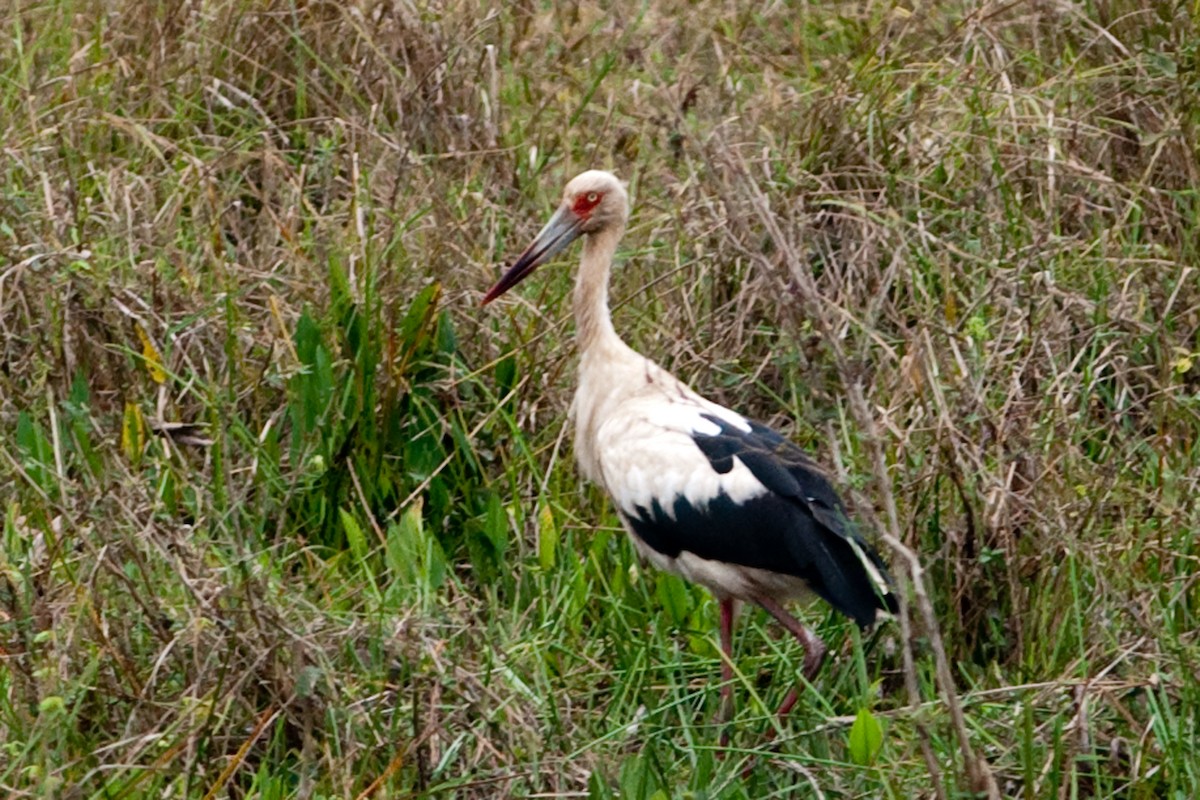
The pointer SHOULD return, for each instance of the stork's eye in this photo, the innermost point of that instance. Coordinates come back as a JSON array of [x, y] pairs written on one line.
[[592, 197]]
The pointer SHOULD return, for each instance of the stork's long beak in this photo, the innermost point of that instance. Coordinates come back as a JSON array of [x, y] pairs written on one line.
[[562, 229]]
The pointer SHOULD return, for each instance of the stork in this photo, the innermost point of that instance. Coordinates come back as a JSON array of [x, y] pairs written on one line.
[[702, 491]]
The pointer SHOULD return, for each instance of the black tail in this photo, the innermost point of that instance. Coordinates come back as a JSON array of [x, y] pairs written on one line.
[[841, 576]]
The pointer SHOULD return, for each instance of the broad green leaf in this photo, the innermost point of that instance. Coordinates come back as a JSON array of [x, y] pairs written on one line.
[[637, 777], [52, 704], [447, 342], [489, 540], [420, 312], [36, 450], [78, 414], [673, 593], [866, 738], [354, 533], [414, 559], [312, 388], [400, 554]]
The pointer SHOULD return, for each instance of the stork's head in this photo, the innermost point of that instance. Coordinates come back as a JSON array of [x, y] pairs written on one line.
[[594, 201]]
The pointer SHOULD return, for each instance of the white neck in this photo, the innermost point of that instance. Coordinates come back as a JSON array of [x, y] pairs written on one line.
[[593, 322]]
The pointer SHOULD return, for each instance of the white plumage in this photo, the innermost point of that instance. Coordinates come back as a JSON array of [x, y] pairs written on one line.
[[703, 491]]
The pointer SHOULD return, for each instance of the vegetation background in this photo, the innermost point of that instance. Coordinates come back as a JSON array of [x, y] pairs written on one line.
[[285, 514]]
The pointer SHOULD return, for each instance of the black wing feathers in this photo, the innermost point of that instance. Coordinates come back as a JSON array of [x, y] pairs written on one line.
[[798, 528]]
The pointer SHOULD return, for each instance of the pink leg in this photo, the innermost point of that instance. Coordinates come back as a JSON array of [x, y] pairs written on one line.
[[814, 648], [726, 712], [788, 702], [814, 654]]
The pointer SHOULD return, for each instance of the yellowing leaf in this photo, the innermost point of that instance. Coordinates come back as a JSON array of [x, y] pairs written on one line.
[[951, 307], [547, 539], [1183, 361], [133, 433], [152, 357]]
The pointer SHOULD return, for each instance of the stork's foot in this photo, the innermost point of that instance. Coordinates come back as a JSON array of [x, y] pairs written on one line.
[[793, 696], [814, 655]]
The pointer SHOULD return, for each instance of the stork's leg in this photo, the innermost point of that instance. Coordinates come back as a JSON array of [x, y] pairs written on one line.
[[726, 712], [814, 648], [814, 654]]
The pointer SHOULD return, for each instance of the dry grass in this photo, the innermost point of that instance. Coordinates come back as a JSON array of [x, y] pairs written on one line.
[[288, 515]]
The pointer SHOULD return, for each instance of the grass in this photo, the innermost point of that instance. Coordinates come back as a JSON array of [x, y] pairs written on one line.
[[286, 514]]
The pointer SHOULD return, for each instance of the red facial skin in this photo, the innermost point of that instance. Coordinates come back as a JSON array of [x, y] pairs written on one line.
[[583, 206]]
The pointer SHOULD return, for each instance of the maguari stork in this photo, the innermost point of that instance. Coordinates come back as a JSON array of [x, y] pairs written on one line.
[[703, 492]]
